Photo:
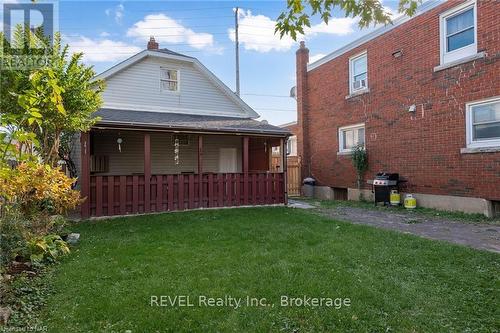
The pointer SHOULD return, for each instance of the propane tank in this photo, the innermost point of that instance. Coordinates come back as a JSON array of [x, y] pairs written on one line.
[[395, 198], [410, 201]]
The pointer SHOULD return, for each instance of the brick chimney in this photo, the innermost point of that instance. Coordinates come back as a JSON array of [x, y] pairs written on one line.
[[303, 147], [152, 44]]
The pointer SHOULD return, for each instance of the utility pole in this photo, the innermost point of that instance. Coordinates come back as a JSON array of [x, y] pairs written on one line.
[[237, 51]]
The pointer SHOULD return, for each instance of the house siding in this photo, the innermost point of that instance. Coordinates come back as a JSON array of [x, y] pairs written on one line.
[[131, 158], [424, 147], [138, 88]]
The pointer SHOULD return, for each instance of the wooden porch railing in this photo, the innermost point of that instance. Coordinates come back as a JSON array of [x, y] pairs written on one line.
[[120, 195]]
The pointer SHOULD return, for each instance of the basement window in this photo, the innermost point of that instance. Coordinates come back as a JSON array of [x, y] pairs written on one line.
[[169, 79], [458, 33], [483, 123]]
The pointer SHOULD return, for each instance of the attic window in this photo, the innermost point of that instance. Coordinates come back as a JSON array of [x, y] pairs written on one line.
[[169, 79]]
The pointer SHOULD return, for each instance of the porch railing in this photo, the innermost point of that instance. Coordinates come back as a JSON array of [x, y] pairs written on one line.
[[120, 195]]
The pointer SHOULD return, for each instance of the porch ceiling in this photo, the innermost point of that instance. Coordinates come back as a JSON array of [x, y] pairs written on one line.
[[178, 121]]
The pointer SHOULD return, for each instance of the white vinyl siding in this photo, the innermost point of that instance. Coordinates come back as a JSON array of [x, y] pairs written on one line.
[[358, 73], [483, 123], [458, 33], [351, 136], [291, 146], [131, 158], [137, 87]]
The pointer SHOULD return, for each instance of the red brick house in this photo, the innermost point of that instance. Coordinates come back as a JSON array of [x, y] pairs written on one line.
[[422, 95]]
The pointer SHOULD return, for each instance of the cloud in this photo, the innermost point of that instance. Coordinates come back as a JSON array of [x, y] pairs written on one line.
[[256, 32], [316, 57], [169, 31], [336, 26], [104, 34], [117, 12], [101, 50]]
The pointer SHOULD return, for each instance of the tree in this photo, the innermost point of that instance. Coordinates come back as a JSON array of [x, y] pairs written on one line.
[[53, 102], [360, 162], [298, 14]]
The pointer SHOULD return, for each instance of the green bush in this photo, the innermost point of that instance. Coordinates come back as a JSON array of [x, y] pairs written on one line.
[[12, 238], [47, 248]]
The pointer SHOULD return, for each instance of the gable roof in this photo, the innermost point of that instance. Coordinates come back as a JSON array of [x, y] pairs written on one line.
[[169, 54], [426, 6], [186, 122]]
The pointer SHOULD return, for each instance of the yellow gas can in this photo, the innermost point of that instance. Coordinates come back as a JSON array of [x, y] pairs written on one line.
[[395, 198], [410, 201]]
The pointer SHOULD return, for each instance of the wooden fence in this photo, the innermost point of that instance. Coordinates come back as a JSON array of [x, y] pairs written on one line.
[[120, 195], [293, 176]]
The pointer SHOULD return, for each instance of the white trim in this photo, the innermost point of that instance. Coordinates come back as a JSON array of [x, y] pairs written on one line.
[[425, 7], [463, 52], [351, 73], [471, 143], [476, 56], [178, 80], [196, 63], [341, 137]]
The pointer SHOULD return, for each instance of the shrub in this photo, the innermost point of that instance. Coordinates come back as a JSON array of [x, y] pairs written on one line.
[[38, 189], [47, 248], [12, 238]]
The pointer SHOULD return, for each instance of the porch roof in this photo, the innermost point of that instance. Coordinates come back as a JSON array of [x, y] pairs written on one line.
[[187, 122]]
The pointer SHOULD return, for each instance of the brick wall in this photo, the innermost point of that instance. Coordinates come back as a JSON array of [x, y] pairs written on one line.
[[423, 146]]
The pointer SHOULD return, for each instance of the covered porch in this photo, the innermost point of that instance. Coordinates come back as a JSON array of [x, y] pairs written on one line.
[[132, 170]]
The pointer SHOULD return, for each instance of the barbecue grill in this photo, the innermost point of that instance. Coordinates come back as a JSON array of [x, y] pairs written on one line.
[[382, 186]]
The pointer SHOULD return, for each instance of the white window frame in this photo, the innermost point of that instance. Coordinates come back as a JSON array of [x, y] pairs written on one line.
[[178, 80], [484, 143], [351, 72], [463, 52], [347, 128]]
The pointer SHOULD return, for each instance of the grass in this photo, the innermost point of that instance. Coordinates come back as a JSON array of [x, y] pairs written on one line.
[[419, 211], [396, 282]]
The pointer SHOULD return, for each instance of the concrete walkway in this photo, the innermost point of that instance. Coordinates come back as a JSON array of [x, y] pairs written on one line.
[[479, 236]]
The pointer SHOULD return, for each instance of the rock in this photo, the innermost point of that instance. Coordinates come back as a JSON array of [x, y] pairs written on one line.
[[4, 315], [73, 238]]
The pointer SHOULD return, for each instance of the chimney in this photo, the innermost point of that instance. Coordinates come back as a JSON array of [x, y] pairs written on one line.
[[303, 151], [152, 44]]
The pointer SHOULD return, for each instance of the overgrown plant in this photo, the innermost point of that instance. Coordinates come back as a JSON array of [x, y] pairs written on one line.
[[295, 20], [360, 161], [50, 102]]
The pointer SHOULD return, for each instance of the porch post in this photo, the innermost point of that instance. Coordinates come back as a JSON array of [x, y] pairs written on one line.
[[284, 168], [245, 170], [147, 172], [85, 174], [200, 171]]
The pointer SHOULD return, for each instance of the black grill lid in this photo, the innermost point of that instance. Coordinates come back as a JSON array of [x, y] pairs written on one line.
[[387, 176]]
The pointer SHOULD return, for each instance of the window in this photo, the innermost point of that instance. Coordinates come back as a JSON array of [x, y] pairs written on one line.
[[351, 136], [358, 73], [458, 33], [169, 79], [291, 146], [483, 123]]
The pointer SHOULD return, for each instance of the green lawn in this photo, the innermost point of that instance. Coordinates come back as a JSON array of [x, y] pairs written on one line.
[[395, 282]]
